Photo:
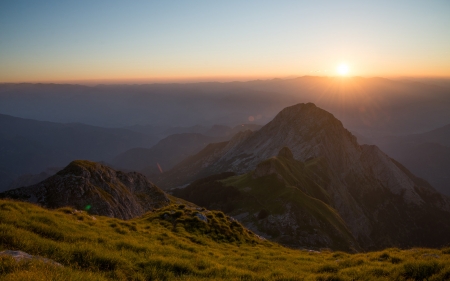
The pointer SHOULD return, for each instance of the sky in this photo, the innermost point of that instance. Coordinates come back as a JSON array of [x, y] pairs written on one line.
[[147, 41]]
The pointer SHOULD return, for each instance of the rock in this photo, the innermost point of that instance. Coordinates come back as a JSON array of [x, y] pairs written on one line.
[[202, 217], [260, 237], [431, 255], [20, 256], [313, 251]]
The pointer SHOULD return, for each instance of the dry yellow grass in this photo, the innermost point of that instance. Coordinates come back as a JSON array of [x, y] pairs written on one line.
[[171, 244]]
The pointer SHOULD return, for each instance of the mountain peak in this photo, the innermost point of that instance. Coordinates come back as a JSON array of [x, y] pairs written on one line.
[[307, 108], [309, 132], [286, 152], [96, 188], [302, 106], [78, 167], [307, 115]]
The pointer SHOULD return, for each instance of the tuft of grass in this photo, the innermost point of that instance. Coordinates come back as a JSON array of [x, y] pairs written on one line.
[[421, 270], [328, 268]]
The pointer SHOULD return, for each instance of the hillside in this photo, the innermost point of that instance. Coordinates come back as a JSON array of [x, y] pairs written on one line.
[[191, 168], [179, 246], [166, 153], [380, 201], [427, 155], [430, 161], [219, 131], [174, 148], [92, 186]]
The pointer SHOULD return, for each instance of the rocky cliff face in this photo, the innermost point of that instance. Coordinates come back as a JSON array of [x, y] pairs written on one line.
[[96, 188], [381, 202]]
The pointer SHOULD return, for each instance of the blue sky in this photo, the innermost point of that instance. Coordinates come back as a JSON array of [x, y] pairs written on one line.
[[170, 40]]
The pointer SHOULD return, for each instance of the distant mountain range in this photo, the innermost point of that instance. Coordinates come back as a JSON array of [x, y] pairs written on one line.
[[173, 149], [220, 131], [370, 106], [30, 146]]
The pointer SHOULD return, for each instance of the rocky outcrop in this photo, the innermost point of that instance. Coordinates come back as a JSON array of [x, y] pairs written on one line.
[[22, 256], [95, 188]]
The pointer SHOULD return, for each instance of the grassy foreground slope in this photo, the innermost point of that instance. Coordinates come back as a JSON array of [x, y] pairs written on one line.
[[183, 243]]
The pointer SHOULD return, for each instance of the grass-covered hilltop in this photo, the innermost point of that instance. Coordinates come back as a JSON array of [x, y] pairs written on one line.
[[183, 242]]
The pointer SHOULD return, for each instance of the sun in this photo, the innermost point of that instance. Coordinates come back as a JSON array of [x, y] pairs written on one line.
[[343, 69]]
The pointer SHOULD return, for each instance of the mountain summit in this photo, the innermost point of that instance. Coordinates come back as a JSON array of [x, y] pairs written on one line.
[[97, 188], [306, 129], [380, 201]]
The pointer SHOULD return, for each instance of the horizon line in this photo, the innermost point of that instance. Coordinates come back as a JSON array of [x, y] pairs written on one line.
[[194, 80]]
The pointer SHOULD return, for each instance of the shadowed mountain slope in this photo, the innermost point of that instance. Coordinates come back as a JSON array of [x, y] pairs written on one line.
[[426, 155], [430, 161], [278, 200]]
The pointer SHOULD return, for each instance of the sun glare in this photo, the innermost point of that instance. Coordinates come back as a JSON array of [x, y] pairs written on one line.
[[343, 69]]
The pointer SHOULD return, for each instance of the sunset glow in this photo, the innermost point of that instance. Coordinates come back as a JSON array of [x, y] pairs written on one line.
[[154, 41]]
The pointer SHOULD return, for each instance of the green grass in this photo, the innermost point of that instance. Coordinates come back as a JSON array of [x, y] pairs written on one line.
[[292, 185], [174, 244]]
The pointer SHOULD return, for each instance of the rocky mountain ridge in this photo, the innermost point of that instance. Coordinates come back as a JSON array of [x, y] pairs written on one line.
[[96, 188], [372, 193]]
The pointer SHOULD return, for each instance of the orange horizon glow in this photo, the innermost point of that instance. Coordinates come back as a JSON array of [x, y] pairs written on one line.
[[95, 74], [198, 79]]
